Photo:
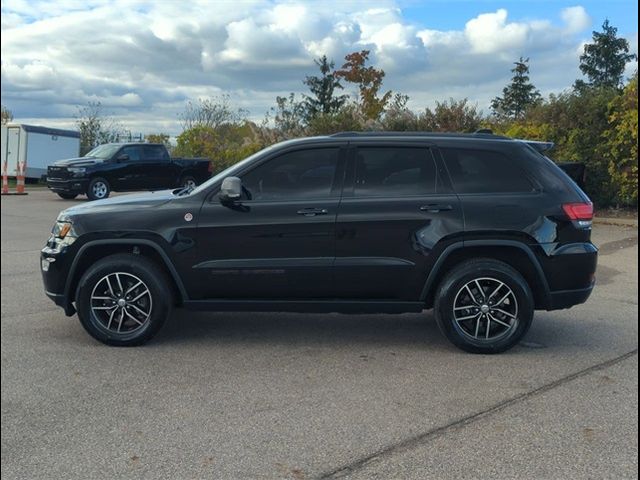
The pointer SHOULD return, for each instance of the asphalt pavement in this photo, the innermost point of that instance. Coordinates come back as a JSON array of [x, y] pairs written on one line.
[[294, 396]]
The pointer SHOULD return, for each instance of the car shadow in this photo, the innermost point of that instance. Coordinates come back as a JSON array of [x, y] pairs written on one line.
[[557, 331], [411, 329]]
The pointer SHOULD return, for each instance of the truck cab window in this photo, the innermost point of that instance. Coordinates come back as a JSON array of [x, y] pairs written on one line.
[[133, 152]]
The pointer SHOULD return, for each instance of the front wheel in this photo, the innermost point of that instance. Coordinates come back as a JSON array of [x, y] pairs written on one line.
[[484, 306], [98, 189], [123, 300]]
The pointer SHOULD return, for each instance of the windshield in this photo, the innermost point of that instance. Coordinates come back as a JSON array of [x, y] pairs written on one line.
[[103, 151], [228, 172]]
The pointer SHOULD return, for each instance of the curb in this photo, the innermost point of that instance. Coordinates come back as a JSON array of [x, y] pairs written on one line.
[[621, 222]]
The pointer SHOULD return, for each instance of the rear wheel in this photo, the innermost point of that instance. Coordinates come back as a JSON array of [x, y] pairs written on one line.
[[67, 196], [98, 189], [123, 300], [484, 306]]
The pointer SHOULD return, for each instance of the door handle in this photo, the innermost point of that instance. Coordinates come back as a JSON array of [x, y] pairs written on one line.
[[436, 207], [312, 212]]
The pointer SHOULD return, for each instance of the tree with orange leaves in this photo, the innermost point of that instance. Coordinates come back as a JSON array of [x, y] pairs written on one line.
[[369, 81]]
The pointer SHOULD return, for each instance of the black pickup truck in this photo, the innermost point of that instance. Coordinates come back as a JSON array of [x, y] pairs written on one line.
[[124, 167]]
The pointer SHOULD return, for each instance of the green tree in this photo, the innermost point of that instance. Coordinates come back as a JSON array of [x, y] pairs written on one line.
[[398, 117], [323, 88], [604, 60], [621, 144], [289, 117], [6, 116], [162, 138], [369, 81], [223, 146], [348, 118], [214, 129], [519, 95], [199, 141], [526, 130], [575, 121], [451, 116], [211, 112], [96, 128]]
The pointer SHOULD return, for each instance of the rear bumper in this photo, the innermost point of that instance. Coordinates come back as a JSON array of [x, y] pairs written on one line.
[[571, 274], [75, 185], [569, 298]]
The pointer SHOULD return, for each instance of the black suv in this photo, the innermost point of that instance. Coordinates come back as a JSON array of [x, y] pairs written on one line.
[[481, 228]]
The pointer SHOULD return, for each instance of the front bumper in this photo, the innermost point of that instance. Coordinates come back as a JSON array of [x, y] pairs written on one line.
[[61, 300], [55, 266], [74, 185]]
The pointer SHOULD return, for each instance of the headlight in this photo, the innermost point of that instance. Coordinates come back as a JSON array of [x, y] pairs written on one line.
[[77, 170], [64, 231], [62, 234]]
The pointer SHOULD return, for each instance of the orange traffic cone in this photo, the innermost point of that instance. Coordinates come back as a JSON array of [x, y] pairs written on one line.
[[5, 179], [19, 180]]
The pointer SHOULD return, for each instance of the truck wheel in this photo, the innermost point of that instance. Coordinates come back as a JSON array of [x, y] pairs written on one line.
[[484, 306], [67, 196], [98, 189], [123, 300], [188, 181]]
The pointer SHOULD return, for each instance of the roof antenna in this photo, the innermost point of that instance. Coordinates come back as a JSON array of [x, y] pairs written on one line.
[[486, 131]]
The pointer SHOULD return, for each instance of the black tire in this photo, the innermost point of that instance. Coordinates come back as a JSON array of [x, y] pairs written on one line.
[[98, 189], [67, 196], [188, 181], [97, 320], [467, 334]]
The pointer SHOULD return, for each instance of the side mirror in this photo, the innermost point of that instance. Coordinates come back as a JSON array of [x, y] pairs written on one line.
[[231, 190], [122, 158]]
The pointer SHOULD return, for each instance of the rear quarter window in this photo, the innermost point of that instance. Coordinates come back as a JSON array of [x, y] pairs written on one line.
[[485, 171]]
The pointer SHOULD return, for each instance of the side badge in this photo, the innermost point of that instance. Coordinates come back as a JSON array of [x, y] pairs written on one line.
[[188, 217]]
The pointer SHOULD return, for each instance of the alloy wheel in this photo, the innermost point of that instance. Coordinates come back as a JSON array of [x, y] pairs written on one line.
[[485, 310], [121, 303]]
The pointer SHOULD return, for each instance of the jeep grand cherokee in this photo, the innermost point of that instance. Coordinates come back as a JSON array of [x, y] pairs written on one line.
[[481, 228]]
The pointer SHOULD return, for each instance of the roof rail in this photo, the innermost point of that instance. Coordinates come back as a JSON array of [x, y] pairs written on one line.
[[538, 145], [483, 133]]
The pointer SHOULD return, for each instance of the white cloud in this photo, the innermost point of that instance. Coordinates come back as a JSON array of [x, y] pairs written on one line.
[[490, 32], [143, 60], [576, 19]]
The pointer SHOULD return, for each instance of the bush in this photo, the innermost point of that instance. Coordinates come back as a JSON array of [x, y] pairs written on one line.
[[621, 145], [224, 145]]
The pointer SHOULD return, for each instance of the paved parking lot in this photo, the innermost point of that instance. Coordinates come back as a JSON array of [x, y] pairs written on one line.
[[293, 396]]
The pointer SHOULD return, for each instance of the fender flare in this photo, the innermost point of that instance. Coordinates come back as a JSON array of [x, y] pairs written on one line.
[[121, 241], [433, 274]]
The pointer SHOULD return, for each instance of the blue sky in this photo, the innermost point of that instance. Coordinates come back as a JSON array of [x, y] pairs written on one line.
[[144, 60], [453, 14]]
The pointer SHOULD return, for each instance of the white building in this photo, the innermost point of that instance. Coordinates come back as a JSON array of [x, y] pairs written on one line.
[[37, 147]]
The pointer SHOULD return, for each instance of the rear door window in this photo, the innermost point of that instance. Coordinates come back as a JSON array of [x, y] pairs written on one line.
[[394, 171], [485, 171], [154, 152]]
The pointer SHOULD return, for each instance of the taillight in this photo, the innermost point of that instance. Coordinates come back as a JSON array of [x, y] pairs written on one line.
[[579, 211]]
